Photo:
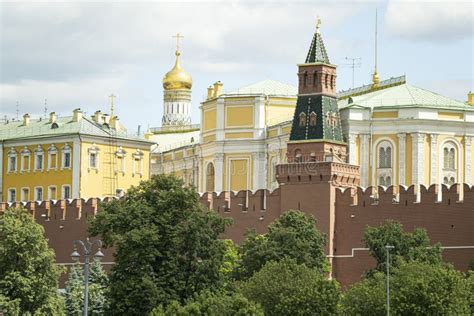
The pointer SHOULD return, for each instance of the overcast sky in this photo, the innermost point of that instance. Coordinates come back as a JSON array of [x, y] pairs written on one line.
[[76, 53]]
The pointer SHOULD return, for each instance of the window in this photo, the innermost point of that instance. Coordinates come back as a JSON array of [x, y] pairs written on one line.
[[302, 119], [52, 193], [52, 157], [315, 78], [120, 160], [38, 193], [12, 160], [25, 194], [39, 158], [385, 162], [305, 79], [25, 159], [66, 192], [93, 160], [312, 119], [66, 156], [138, 162], [210, 177], [450, 157], [11, 195]]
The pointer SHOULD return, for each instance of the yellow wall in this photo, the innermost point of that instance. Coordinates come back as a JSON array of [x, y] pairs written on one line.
[[209, 119], [104, 180], [239, 135], [286, 130], [239, 174], [209, 138], [450, 116], [272, 133], [239, 116], [31, 179], [382, 115], [279, 113]]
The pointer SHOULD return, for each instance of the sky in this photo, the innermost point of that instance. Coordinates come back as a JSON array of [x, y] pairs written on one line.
[[75, 54]]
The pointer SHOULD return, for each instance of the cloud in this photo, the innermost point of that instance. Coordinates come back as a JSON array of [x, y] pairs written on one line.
[[431, 21]]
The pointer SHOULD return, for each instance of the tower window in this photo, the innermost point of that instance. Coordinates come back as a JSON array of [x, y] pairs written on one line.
[[450, 170], [305, 79], [312, 119], [302, 119], [315, 78]]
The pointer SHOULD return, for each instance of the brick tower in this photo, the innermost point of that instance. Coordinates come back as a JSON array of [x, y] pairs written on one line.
[[316, 133]]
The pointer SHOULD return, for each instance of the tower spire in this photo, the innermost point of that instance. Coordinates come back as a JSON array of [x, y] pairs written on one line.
[[375, 76], [317, 51]]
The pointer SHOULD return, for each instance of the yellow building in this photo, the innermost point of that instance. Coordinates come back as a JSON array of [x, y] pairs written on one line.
[[69, 157], [396, 132]]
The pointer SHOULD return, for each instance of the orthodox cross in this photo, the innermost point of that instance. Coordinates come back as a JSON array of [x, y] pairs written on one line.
[[112, 99], [178, 37]]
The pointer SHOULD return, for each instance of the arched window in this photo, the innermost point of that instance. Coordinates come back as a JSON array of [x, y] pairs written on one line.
[[305, 79], [302, 119], [450, 165], [315, 78], [385, 155], [326, 80], [312, 119], [385, 163], [210, 177]]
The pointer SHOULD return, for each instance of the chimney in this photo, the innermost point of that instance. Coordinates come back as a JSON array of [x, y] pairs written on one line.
[[106, 119], [52, 117], [470, 98], [26, 119], [114, 122], [98, 117], [76, 115], [217, 89], [210, 92]]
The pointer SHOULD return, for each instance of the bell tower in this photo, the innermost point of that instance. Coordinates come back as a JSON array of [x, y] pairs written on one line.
[[316, 133]]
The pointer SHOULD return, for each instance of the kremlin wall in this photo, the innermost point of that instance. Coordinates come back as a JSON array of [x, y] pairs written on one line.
[[342, 210]]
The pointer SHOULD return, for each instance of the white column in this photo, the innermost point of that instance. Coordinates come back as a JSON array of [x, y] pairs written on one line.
[[434, 158], [218, 171], [259, 170], [418, 140], [352, 148], [259, 117], [401, 157], [468, 159], [364, 159], [220, 119], [76, 168]]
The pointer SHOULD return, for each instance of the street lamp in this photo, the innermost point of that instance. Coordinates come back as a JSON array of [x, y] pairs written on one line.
[[388, 248], [87, 247]]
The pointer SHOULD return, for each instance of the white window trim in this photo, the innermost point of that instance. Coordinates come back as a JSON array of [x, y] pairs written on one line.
[[22, 196], [25, 153], [52, 151], [9, 195], [458, 160], [49, 192], [39, 152], [378, 172], [35, 197], [120, 155], [12, 154], [63, 196], [93, 150], [66, 150], [138, 156]]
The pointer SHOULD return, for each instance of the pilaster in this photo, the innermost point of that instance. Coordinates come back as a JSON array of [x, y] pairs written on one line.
[[220, 119], [434, 158], [259, 170], [417, 158], [401, 157], [352, 148], [218, 171], [468, 159], [364, 159]]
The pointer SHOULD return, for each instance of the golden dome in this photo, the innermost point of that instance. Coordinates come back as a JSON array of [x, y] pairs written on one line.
[[177, 78]]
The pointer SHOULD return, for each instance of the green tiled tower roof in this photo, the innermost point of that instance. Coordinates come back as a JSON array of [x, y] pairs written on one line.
[[317, 52]]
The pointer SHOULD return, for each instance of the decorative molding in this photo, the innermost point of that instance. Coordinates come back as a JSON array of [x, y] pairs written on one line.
[[418, 140], [401, 157], [434, 158], [352, 148]]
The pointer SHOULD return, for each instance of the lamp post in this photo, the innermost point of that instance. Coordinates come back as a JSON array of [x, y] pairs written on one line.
[[388, 248], [87, 248]]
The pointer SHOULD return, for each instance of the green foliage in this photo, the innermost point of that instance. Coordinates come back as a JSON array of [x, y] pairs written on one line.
[[470, 284], [28, 274], [416, 289], [230, 262], [292, 235], [74, 295], [288, 288], [167, 245], [8, 307], [408, 246], [207, 303]]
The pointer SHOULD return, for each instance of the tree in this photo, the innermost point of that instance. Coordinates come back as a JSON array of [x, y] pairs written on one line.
[[208, 303], [27, 265], [416, 289], [288, 288], [167, 245], [408, 246], [97, 287], [230, 261], [292, 235]]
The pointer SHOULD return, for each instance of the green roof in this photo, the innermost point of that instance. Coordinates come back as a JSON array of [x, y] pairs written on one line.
[[40, 128], [403, 95], [317, 51]]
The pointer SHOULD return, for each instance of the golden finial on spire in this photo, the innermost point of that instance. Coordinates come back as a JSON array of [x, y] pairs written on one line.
[[375, 76], [318, 25], [178, 37]]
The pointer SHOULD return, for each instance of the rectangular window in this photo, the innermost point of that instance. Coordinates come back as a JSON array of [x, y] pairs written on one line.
[[39, 194], [67, 160], [25, 194], [39, 162], [26, 163], [11, 195], [93, 160], [66, 192], [52, 161], [12, 164], [52, 193]]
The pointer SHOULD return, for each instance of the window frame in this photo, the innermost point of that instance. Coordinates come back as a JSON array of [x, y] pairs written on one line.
[[12, 154], [39, 151], [22, 195], [63, 191], [10, 200], [36, 193]]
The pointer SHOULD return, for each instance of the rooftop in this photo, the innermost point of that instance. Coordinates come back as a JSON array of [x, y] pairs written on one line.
[[266, 87]]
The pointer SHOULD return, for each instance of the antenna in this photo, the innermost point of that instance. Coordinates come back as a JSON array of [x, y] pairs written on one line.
[[112, 98], [375, 76], [354, 62], [17, 110], [45, 108]]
